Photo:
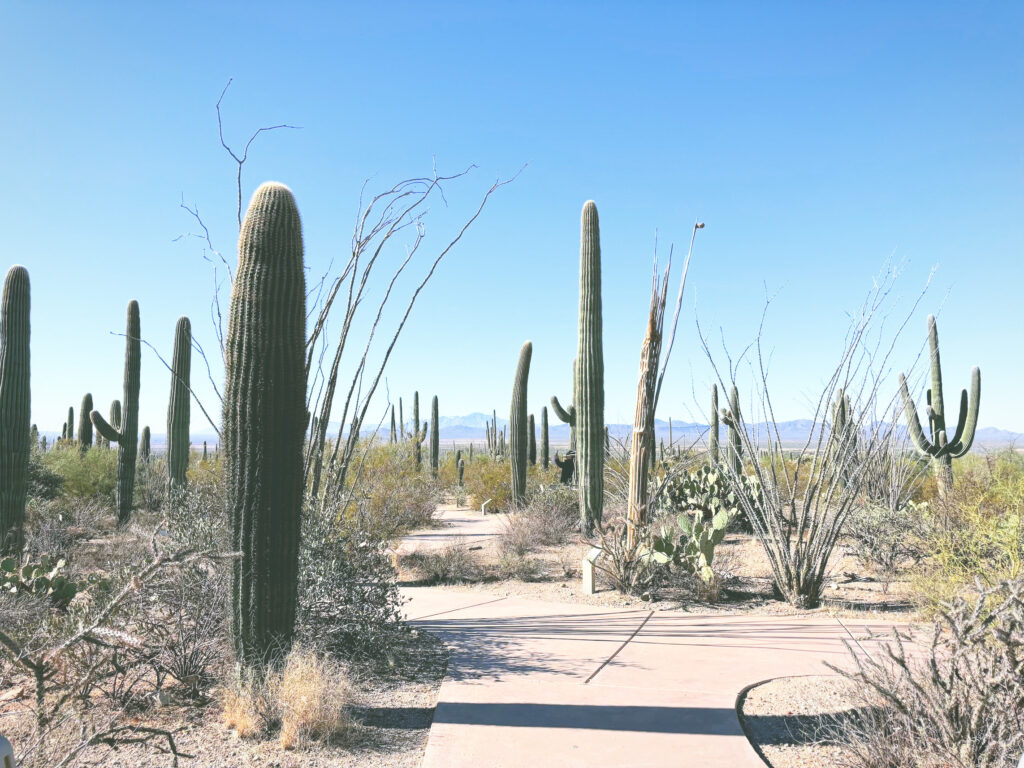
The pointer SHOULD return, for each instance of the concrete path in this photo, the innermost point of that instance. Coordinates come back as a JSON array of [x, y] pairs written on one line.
[[537, 684]]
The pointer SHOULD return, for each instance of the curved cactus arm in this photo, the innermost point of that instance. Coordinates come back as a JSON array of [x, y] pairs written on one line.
[[566, 415], [969, 407], [107, 431], [913, 423]]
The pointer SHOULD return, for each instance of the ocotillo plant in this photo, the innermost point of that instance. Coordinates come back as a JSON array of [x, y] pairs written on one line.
[[418, 435], [589, 395], [518, 449], [179, 407], [85, 424], [713, 430], [567, 415], [15, 407], [126, 432], [264, 422], [942, 449], [544, 445], [435, 441], [531, 434], [145, 445]]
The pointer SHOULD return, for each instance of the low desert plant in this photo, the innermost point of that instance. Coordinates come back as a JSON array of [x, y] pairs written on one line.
[[448, 565], [958, 704], [889, 540], [311, 694], [89, 475]]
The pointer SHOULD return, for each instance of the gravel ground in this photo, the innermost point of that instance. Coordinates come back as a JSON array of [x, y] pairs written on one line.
[[393, 715], [791, 720]]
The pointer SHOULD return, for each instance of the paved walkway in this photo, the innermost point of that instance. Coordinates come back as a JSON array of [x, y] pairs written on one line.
[[539, 684]]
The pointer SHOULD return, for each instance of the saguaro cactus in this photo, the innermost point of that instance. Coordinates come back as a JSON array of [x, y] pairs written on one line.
[[179, 407], [264, 421], [531, 435], [567, 415], [518, 448], [589, 395], [418, 434], [85, 424], [71, 424], [126, 432], [394, 429], [145, 445], [435, 440], [713, 439], [544, 444], [942, 449], [732, 419], [15, 407]]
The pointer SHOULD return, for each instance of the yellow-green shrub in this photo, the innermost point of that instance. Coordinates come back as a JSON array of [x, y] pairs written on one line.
[[89, 475]]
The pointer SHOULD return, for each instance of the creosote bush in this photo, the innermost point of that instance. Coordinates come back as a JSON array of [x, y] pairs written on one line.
[[89, 475], [889, 540]]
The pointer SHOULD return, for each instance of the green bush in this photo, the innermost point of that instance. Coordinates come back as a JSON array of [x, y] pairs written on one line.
[[487, 478], [89, 475]]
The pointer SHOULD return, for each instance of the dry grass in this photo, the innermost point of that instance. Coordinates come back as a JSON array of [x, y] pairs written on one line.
[[306, 700]]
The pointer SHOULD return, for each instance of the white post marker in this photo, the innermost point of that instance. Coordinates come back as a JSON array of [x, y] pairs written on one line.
[[589, 587], [483, 507]]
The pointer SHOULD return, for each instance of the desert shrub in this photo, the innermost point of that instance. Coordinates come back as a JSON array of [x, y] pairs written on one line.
[[389, 496], [52, 527], [889, 540], [349, 602], [89, 475], [626, 569], [548, 519], [959, 704], [197, 515], [43, 483], [447, 565], [151, 484], [977, 530], [488, 478], [305, 700], [517, 566]]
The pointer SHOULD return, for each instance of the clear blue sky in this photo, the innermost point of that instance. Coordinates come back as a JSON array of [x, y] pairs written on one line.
[[815, 139]]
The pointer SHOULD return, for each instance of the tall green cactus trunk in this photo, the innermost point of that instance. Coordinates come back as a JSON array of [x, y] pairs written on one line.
[[145, 445], [179, 407], [71, 424], [733, 419], [264, 421], [15, 408], [589, 395], [85, 424], [435, 439], [531, 434], [545, 447], [941, 448], [126, 432], [394, 429], [418, 435], [518, 448]]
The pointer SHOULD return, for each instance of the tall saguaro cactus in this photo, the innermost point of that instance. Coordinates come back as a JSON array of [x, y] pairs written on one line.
[[589, 392], [145, 445], [518, 449], [545, 459], [264, 421], [126, 432], [567, 415], [15, 407], [732, 419], [418, 433], [940, 447], [394, 429], [531, 436], [85, 424], [179, 406], [71, 424], [435, 439]]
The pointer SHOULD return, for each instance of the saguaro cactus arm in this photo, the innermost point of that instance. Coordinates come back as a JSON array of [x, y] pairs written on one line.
[[566, 415]]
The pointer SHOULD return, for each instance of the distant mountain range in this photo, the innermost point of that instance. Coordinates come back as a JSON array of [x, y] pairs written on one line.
[[471, 428]]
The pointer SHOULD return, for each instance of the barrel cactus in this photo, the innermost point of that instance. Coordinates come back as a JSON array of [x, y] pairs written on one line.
[[126, 432], [15, 407], [264, 420], [518, 448]]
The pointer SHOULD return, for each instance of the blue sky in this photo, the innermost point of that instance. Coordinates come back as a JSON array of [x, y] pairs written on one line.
[[817, 141]]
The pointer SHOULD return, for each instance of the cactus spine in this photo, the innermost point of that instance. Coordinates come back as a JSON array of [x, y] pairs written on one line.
[[942, 449], [15, 407], [85, 424], [126, 432], [179, 407], [145, 445], [589, 395], [713, 439], [435, 439], [264, 422], [544, 445], [518, 448]]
